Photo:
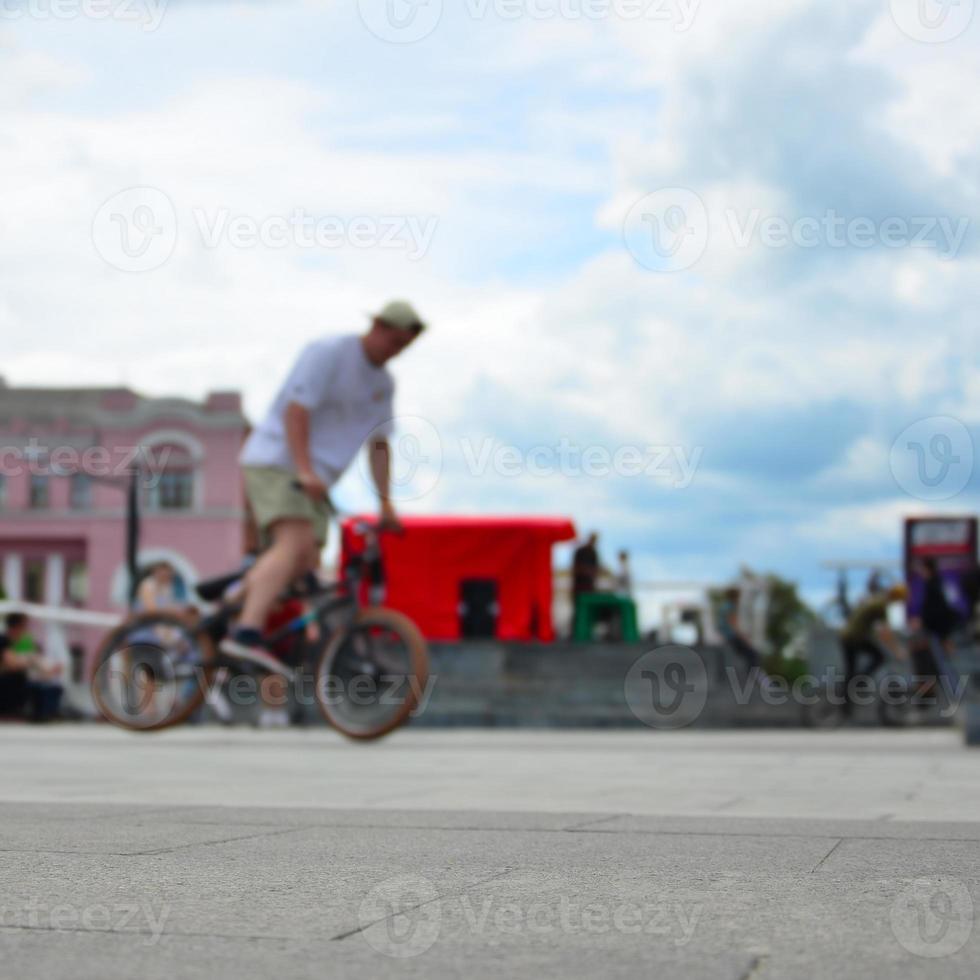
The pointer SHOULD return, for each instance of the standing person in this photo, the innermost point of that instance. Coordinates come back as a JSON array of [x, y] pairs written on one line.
[[337, 395], [863, 635], [938, 621], [728, 626], [585, 573], [585, 566], [624, 577]]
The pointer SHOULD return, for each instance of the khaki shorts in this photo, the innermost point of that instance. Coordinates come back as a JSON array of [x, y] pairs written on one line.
[[273, 497]]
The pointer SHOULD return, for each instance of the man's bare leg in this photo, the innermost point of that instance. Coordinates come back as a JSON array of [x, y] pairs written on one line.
[[292, 544]]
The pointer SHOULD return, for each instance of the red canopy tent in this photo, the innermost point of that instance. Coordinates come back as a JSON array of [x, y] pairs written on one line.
[[426, 566]]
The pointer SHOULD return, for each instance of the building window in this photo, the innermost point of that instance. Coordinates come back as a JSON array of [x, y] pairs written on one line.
[[40, 492], [80, 494], [3, 492], [77, 586], [34, 580], [172, 485]]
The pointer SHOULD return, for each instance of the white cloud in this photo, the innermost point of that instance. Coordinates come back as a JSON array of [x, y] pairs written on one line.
[[560, 343]]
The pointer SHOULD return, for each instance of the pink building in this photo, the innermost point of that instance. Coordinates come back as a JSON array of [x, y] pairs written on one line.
[[65, 459]]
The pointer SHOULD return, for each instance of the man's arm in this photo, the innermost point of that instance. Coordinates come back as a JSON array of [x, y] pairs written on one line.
[[380, 452], [298, 439]]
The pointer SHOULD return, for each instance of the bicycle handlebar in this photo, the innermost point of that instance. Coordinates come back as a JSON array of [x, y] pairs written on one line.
[[361, 525]]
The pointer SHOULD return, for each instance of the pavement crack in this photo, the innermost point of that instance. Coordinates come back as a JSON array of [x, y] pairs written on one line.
[[820, 863], [214, 843], [734, 801], [420, 905], [576, 827]]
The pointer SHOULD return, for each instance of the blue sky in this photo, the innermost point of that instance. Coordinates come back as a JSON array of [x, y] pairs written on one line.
[[788, 371]]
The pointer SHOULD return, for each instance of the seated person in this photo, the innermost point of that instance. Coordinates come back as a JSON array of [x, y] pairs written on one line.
[[14, 663], [45, 680], [160, 591]]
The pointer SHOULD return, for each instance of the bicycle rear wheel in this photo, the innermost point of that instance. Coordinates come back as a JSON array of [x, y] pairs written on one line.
[[152, 672], [372, 674]]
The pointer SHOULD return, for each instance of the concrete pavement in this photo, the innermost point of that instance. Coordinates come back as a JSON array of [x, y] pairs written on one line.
[[210, 852]]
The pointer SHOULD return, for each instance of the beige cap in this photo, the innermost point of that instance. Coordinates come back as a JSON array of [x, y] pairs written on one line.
[[402, 315]]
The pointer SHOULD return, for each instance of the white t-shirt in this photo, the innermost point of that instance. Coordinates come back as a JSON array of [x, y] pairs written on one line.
[[348, 399]]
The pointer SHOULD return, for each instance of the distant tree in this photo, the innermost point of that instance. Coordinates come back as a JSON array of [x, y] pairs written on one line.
[[788, 614]]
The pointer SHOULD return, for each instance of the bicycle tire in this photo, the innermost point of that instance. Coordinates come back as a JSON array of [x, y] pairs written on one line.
[[408, 632]]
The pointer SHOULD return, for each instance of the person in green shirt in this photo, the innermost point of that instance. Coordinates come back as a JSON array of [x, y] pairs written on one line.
[[16, 658]]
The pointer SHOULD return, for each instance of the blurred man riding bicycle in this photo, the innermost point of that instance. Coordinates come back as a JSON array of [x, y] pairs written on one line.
[[337, 396]]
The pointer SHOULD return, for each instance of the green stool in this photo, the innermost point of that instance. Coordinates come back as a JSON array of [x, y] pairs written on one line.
[[589, 609]]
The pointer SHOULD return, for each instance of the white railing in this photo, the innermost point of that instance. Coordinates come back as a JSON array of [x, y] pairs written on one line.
[[59, 614]]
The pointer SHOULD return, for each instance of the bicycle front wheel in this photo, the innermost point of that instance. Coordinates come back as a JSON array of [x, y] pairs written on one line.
[[373, 674]]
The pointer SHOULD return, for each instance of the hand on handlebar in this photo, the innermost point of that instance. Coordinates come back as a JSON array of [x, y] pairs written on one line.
[[389, 520], [311, 485]]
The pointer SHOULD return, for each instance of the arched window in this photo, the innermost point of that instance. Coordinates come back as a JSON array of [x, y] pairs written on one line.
[[172, 472]]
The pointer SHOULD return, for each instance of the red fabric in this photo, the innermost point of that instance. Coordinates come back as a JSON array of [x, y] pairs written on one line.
[[425, 566]]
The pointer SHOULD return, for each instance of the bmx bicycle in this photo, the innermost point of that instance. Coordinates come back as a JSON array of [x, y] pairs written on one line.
[[915, 686], [369, 665]]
